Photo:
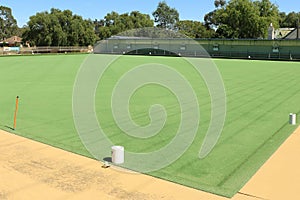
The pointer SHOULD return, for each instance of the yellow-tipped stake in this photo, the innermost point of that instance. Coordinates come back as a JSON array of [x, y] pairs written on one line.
[[16, 111]]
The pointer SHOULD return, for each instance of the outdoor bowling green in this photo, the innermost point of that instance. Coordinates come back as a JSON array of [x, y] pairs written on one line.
[[260, 95]]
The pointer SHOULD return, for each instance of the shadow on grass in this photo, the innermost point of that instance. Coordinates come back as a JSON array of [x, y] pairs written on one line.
[[108, 159], [9, 128]]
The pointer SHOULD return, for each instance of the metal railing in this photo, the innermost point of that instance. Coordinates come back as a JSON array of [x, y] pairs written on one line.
[[43, 50]]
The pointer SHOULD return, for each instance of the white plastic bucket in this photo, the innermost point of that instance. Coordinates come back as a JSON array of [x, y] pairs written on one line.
[[117, 154], [292, 118]]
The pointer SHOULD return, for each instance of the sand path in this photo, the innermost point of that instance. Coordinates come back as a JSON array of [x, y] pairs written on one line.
[[31, 170]]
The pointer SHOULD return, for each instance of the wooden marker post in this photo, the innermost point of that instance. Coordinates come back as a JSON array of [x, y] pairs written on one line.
[[16, 111]]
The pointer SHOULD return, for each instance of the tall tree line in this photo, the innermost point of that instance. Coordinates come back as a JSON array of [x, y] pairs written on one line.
[[114, 23], [59, 28]]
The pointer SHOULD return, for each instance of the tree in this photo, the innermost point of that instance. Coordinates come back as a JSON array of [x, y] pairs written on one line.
[[37, 31], [113, 23], [140, 20], [220, 3], [268, 13], [59, 28], [210, 20], [242, 18], [290, 20], [165, 16], [8, 24], [194, 29]]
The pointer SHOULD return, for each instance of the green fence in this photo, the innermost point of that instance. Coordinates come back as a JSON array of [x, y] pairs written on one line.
[[255, 49]]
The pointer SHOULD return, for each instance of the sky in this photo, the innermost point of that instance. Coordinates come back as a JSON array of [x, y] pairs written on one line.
[[97, 9]]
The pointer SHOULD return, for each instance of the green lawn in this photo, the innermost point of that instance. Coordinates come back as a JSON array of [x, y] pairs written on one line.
[[260, 95]]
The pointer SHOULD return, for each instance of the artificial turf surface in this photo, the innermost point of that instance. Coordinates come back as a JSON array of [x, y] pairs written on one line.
[[260, 96]]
